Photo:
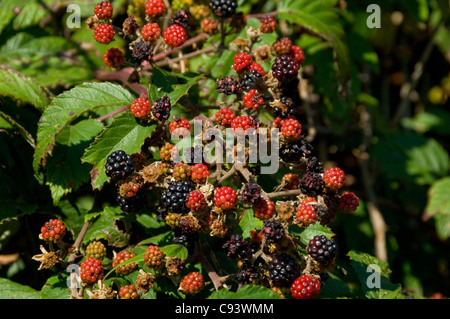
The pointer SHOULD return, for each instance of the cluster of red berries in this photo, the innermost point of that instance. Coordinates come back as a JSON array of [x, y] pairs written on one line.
[[53, 231]]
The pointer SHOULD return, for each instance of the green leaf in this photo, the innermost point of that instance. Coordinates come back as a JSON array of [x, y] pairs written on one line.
[[7, 12], [160, 239], [175, 250], [56, 287], [249, 222], [124, 133], [22, 131], [12, 290], [321, 18], [315, 230], [71, 105], [30, 15], [8, 227], [438, 206], [22, 88], [164, 82], [70, 146], [410, 156], [105, 227], [11, 208], [148, 221], [368, 268], [246, 292]]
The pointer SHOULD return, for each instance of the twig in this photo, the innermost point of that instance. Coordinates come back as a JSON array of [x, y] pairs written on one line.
[[293, 192], [189, 42], [262, 15], [216, 279], [186, 56], [113, 113]]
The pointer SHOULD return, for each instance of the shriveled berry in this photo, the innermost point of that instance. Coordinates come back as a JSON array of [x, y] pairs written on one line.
[[273, 231], [236, 247], [161, 108], [228, 85]]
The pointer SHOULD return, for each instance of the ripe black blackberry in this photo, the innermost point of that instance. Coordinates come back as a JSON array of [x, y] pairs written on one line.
[[312, 184], [248, 273], [181, 18], [273, 231], [293, 151], [228, 85], [314, 165], [236, 247], [252, 80], [142, 51], [283, 270], [119, 165], [174, 198], [161, 108], [322, 249], [285, 68], [131, 204], [223, 8], [251, 193]]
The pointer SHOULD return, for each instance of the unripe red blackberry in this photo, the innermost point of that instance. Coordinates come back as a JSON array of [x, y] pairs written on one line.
[[121, 258], [348, 202], [119, 165], [181, 171], [96, 250], [305, 287], [192, 283], [241, 124], [104, 33], [312, 184], [268, 24], [273, 231], [334, 178], [297, 53], [223, 8], [209, 26], [225, 116], [195, 201], [113, 58], [91, 271], [282, 46], [128, 292], [153, 256], [175, 35], [306, 215], [242, 62], [264, 209], [151, 31], [285, 68], [53, 231], [103, 10], [253, 100], [199, 173], [225, 198], [283, 270], [141, 108], [155, 8], [322, 249], [236, 247], [161, 108], [291, 181], [181, 124], [228, 85], [291, 129]]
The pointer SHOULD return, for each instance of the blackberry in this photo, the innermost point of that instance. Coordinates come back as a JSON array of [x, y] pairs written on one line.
[[119, 165], [223, 8], [322, 249], [252, 80], [195, 155], [130, 25], [312, 184], [285, 68], [174, 198], [273, 231], [248, 273], [251, 193], [228, 85], [161, 108], [314, 165], [293, 151], [181, 18], [283, 270], [236, 247], [142, 51], [131, 204]]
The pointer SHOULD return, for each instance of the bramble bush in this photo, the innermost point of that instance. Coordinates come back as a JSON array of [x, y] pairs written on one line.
[[223, 149]]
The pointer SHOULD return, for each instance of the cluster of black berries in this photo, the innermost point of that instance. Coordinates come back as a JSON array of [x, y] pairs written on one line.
[[236, 247], [223, 8], [228, 85], [292, 152], [273, 230], [252, 80], [174, 198], [251, 193], [161, 108], [283, 270], [322, 249]]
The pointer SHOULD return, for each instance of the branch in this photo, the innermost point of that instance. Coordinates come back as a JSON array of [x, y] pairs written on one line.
[[216, 279], [123, 76], [293, 192], [113, 113], [199, 37]]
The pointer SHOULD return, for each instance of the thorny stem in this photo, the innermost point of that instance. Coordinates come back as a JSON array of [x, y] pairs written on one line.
[[216, 279]]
